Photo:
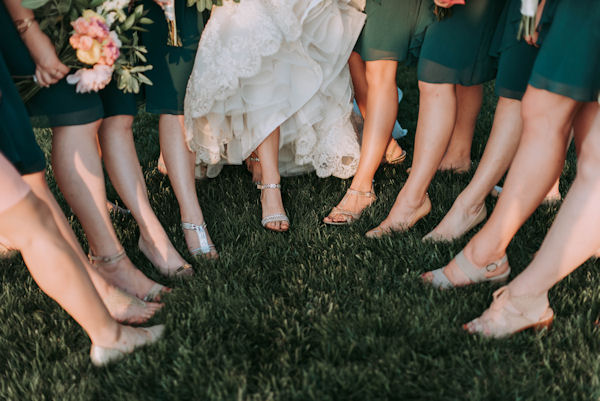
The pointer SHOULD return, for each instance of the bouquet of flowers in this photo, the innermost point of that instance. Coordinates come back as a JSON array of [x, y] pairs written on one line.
[[98, 44], [444, 12]]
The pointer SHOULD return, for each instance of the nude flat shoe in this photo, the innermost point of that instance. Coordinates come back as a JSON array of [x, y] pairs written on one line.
[[434, 237], [474, 273], [102, 356], [508, 315]]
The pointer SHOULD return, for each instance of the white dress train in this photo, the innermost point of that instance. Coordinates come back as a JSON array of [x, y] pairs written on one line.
[[263, 64]]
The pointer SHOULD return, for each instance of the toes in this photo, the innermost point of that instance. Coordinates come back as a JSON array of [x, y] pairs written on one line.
[[427, 277]]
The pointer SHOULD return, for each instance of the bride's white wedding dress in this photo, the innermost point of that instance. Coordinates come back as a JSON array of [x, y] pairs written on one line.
[[263, 64]]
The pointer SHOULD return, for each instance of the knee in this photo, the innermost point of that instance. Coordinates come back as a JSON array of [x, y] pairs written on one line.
[[381, 73], [429, 90], [122, 125]]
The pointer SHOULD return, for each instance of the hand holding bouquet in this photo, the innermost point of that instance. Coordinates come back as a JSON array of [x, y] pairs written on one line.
[[98, 44]]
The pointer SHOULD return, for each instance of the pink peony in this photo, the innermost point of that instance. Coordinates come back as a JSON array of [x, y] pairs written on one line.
[[81, 42], [91, 79], [110, 52]]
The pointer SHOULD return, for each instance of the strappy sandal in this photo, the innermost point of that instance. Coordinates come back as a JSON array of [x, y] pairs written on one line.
[[351, 216], [394, 160], [509, 315], [151, 295], [274, 217], [206, 250], [474, 274]]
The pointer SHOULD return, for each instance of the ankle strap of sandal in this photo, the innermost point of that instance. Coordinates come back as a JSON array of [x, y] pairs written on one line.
[[192, 226], [106, 260], [268, 186], [370, 194]]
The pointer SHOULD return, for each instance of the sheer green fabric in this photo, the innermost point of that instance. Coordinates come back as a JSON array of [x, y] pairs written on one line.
[[394, 29], [17, 141], [568, 63], [456, 49]]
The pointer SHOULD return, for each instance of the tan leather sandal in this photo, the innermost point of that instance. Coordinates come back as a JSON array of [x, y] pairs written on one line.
[[351, 217], [508, 315]]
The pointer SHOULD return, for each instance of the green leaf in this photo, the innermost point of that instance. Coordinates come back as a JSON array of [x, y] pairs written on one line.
[[33, 4], [145, 21], [128, 23]]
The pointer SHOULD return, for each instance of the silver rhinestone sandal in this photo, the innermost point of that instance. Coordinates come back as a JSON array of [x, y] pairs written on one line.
[[274, 217], [206, 249]]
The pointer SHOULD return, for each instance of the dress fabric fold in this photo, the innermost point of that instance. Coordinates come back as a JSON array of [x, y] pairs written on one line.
[[263, 64]]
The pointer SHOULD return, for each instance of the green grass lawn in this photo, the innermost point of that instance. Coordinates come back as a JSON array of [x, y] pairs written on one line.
[[319, 313]]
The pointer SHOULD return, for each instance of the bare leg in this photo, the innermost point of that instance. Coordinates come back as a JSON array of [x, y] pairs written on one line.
[[575, 233], [573, 237], [122, 306], [58, 270], [121, 162], [437, 117], [180, 165], [499, 152], [382, 107], [268, 153], [537, 164], [458, 154], [79, 175]]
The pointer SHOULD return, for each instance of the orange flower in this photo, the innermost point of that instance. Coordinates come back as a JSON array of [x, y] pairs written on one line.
[[92, 55]]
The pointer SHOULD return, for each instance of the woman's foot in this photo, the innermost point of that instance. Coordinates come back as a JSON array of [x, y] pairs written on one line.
[[350, 207], [402, 217], [128, 339], [459, 220], [461, 272], [125, 308], [198, 240], [509, 314], [161, 166], [273, 214], [253, 165], [119, 271], [394, 154], [161, 253], [458, 166]]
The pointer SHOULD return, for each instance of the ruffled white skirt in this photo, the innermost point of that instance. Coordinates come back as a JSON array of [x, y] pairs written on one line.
[[263, 64]]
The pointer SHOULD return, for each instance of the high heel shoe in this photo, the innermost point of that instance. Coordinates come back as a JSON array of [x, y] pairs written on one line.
[[508, 315], [102, 356], [185, 270], [152, 295], [350, 217], [206, 250], [282, 217], [474, 273]]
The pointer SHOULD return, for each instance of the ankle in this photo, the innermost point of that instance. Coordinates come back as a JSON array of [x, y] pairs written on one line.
[[469, 206], [482, 256], [107, 336]]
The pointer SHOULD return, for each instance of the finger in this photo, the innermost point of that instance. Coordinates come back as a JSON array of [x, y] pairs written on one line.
[[63, 69], [46, 79], [40, 79]]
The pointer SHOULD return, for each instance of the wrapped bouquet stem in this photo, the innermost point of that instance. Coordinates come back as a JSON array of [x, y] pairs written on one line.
[[528, 21], [168, 7]]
